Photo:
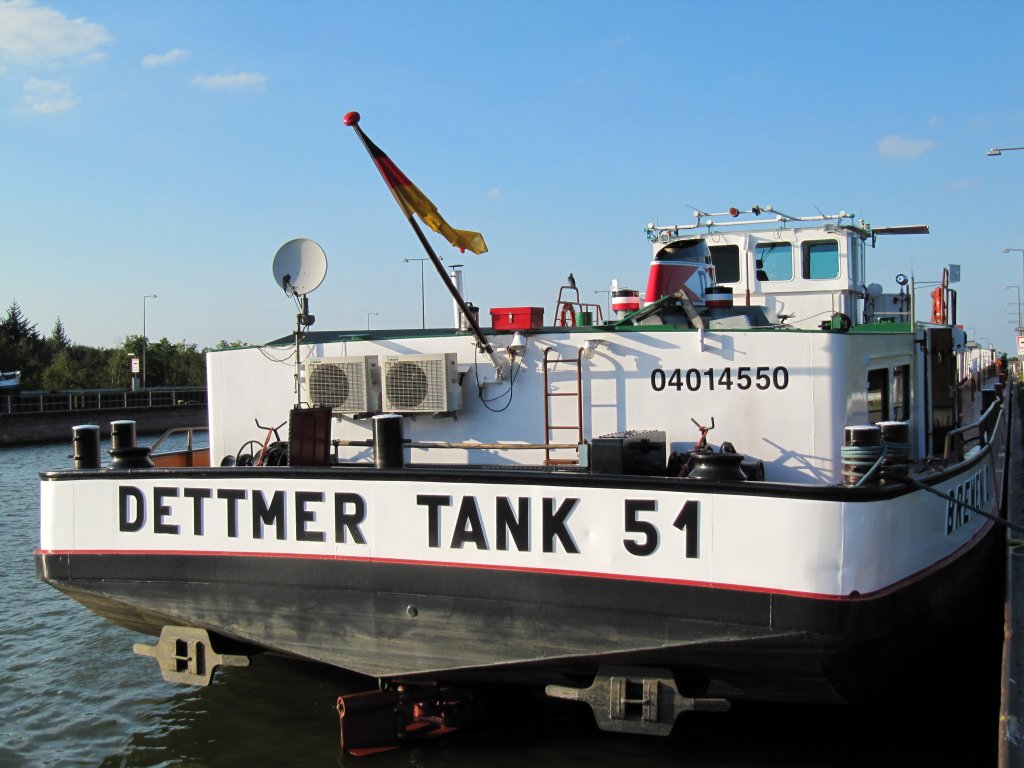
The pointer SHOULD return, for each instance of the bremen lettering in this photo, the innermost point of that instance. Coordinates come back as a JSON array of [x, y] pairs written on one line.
[[972, 492]]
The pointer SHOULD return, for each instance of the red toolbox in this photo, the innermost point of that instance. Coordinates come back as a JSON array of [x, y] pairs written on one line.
[[517, 318]]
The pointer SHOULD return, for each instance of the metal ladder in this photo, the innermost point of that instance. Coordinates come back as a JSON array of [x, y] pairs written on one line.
[[550, 428]]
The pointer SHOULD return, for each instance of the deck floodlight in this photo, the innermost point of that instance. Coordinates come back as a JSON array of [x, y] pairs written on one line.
[[518, 345]]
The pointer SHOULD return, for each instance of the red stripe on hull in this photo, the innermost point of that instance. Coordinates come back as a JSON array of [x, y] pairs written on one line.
[[917, 576]]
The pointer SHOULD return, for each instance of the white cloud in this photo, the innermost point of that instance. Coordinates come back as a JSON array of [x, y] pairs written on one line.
[[980, 122], [48, 96], [33, 34], [899, 146], [494, 192], [962, 185], [163, 59], [226, 82]]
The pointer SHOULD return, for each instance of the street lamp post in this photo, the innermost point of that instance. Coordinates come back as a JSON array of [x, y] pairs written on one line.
[[423, 305], [1018, 304], [144, 340], [607, 301], [368, 315], [1021, 252], [997, 151]]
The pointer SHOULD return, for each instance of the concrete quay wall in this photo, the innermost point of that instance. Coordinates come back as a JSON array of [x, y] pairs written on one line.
[[1011, 716], [55, 426]]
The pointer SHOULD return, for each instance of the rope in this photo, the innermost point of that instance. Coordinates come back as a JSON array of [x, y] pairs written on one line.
[[855, 457], [873, 456], [995, 519], [860, 456]]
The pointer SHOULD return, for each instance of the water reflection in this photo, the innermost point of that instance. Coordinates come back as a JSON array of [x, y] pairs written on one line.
[[281, 712], [276, 712]]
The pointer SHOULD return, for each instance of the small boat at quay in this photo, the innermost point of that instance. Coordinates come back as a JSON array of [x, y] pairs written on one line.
[[9, 381], [759, 479]]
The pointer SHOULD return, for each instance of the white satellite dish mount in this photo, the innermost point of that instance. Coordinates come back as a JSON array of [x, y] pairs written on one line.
[[300, 265]]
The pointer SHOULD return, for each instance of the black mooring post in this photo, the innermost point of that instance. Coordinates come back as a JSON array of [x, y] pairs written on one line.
[[122, 434], [388, 448], [86, 446]]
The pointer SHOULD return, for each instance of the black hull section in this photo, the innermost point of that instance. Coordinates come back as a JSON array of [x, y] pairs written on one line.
[[455, 623]]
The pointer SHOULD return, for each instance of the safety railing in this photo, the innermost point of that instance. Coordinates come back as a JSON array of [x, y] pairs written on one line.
[[189, 456], [100, 399], [985, 427]]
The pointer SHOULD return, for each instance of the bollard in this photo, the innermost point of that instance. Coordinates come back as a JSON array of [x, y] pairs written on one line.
[[861, 449], [86, 446], [388, 450], [125, 454], [122, 434], [988, 396], [896, 436]]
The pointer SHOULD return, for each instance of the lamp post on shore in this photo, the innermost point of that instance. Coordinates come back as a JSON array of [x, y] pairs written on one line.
[[1018, 305], [996, 152], [368, 315], [145, 341], [423, 305], [1021, 252]]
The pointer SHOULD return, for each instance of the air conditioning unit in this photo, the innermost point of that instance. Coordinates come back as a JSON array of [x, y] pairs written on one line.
[[346, 385], [421, 384]]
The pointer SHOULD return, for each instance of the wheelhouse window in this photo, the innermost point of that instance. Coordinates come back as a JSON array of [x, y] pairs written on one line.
[[878, 395], [726, 259], [901, 392], [774, 261], [820, 261]]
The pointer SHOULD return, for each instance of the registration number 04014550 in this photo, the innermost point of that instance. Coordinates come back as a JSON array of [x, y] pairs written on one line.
[[744, 377]]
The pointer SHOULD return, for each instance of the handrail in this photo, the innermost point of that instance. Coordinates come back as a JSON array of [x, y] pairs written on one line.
[[64, 401], [176, 430], [337, 443], [982, 435]]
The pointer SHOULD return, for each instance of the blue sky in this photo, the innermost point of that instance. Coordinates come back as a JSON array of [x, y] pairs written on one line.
[[171, 148]]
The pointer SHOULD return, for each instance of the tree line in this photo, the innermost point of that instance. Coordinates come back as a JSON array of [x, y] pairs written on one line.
[[56, 362]]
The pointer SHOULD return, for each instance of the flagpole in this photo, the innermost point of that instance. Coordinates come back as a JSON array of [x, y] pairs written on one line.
[[352, 119], [470, 317]]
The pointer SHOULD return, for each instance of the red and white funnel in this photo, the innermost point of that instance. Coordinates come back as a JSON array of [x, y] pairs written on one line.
[[681, 264]]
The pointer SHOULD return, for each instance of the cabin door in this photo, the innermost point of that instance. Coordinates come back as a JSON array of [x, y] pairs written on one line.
[[943, 408]]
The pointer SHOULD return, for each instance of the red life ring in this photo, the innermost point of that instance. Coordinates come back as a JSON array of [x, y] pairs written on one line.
[[938, 306], [568, 316]]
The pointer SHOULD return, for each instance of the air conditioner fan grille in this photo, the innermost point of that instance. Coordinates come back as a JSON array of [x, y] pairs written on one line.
[[407, 385], [337, 385]]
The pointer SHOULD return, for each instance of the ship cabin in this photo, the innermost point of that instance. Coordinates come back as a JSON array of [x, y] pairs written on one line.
[[763, 327], [802, 271]]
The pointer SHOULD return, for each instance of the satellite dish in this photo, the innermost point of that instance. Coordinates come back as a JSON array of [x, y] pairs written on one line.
[[299, 266]]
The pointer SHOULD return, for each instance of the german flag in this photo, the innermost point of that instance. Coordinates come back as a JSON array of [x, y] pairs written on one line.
[[411, 200]]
